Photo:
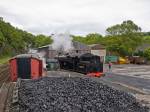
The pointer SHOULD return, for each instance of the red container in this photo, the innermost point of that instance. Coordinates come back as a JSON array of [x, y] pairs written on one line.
[[26, 66]]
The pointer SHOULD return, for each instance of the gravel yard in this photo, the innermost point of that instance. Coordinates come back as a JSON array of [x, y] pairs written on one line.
[[139, 71], [64, 94]]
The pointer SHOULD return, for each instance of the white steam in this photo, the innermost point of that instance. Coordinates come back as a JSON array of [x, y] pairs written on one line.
[[62, 42]]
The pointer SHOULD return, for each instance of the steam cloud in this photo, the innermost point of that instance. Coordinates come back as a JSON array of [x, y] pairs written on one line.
[[62, 42]]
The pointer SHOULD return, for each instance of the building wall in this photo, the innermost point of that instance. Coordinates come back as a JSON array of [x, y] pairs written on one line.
[[80, 52], [101, 53], [52, 54], [44, 52]]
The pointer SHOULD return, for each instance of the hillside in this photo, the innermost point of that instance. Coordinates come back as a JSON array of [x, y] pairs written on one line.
[[14, 41]]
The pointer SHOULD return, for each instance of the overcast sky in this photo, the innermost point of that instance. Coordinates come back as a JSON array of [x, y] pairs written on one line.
[[75, 16]]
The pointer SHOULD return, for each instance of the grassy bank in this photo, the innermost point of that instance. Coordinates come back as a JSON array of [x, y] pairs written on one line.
[[4, 59]]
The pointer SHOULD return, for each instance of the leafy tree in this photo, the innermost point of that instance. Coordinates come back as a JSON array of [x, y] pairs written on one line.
[[78, 38], [147, 53], [14, 41], [146, 33], [139, 53], [2, 39], [41, 40], [2, 42], [129, 35], [93, 38], [127, 27], [146, 39]]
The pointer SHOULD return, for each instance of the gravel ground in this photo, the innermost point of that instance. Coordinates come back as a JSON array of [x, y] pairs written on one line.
[[63, 94]]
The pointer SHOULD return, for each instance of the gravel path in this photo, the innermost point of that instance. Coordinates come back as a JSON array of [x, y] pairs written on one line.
[[63, 94]]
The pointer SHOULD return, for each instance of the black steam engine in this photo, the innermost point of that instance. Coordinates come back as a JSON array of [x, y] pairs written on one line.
[[87, 64]]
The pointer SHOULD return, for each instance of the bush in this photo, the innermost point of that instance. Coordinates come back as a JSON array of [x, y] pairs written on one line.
[[147, 53]]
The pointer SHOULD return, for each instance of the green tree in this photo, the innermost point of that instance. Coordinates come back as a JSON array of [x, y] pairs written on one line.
[[146, 39], [127, 27], [2, 42], [128, 36], [41, 40], [93, 38], [14, 41], [78, 38], [147, 53]]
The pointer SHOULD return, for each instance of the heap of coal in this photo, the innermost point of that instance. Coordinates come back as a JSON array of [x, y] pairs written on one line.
[[74, 95]]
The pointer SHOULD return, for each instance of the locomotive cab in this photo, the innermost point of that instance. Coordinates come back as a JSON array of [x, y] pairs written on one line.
[[95, 66]]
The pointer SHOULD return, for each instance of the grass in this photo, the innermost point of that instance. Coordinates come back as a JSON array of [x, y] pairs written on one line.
[[4, 59]]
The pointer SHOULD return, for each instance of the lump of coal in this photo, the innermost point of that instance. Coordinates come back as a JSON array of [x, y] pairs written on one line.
[[74, 95]]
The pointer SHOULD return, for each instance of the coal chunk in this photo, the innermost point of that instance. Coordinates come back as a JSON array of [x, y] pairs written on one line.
[[74, 94]]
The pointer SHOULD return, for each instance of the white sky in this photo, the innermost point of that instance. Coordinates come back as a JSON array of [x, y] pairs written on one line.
[[75, 16]]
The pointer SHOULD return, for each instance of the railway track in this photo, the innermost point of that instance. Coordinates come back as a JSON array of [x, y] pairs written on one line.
[[4, 74], [6, 88], [6, 94]]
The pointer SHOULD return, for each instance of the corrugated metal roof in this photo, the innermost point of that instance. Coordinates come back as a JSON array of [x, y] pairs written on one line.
[[28, 56], [80, 46], [96, 46], [49, 47], [44, 46]]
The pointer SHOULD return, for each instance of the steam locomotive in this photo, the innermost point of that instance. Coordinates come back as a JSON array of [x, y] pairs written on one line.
[[87, 63]]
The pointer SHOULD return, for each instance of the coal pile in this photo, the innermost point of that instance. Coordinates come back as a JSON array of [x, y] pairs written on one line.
[[74, 95]]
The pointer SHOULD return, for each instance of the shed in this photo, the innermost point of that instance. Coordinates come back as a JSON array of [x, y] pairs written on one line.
[[47, 51], [99, 50], [26, 66], [79, 48]]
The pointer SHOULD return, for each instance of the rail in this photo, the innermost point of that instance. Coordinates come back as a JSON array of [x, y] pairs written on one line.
[[3, 93], [4, 74], [6, 93]]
